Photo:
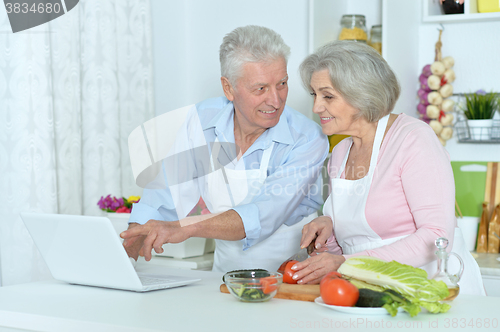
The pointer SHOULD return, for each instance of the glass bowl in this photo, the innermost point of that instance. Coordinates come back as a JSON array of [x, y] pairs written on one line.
[[253, 286]]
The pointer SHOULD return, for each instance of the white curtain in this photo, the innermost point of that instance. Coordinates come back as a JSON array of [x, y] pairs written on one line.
[[71, 91]]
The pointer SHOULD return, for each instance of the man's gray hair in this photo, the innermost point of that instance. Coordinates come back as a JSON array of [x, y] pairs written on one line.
[[359, 73], [250, 43]]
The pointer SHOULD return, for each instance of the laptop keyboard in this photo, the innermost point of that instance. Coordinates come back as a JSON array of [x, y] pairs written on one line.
[[148, 281]]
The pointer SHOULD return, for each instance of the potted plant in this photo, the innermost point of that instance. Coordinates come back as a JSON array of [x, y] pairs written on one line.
[[479, 109]]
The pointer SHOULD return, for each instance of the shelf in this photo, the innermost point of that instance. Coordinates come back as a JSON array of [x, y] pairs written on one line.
[[433, 13], [478, 135]]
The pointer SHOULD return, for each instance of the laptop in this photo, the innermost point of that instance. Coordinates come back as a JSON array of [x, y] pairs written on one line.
[[86, 250]]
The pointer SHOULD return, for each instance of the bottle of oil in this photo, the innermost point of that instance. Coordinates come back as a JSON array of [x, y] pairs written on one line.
[[451, 280]]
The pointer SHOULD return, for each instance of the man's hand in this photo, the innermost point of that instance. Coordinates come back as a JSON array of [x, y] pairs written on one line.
[[155, 233], [320, 228], [313, 269], [133, 244]]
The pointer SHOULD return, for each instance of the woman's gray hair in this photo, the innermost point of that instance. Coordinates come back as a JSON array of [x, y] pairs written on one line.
[[359, 73], [250, 43]]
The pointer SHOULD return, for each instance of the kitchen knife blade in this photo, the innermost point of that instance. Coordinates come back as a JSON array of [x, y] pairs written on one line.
[[303, 253]]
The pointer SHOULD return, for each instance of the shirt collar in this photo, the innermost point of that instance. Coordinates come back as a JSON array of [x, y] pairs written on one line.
[[223, 122]]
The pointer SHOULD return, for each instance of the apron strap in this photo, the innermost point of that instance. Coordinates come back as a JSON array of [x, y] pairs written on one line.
[[344, 162], [379, 135], [264, 162]]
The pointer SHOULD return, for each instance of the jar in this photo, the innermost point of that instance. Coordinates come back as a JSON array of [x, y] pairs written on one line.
[[353, 27], [376, 38]]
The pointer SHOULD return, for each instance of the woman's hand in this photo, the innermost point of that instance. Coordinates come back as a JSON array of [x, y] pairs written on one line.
[[156, 234], [313, 269], [320, 228]]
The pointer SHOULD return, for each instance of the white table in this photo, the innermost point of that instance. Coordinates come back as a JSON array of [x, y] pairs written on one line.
[[57, 306]]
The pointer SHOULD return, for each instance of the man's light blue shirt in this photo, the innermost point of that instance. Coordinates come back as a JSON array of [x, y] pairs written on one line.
[[292, 189]]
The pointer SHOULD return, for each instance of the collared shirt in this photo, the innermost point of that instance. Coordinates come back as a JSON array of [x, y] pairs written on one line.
[[292, 189]]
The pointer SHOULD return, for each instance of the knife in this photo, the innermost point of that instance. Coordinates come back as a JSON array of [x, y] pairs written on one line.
[[304, 253]]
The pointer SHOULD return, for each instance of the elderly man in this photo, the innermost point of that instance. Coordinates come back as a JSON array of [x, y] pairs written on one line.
[[265, 160]]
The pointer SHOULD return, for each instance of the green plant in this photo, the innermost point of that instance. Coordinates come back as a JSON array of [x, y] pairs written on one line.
[[481, 105]]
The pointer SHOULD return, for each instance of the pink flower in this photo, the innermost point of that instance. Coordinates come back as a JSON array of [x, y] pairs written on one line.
[[205, 211], [109, 203]]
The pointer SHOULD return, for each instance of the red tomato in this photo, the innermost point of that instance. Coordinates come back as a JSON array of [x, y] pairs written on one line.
[[288, 273], [281, 269], [338, 291], [269, 284]]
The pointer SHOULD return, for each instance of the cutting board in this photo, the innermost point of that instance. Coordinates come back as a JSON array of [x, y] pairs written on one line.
[[291, 292], [470, 182]]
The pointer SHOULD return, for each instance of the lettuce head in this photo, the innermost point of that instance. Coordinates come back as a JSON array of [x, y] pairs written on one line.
[[409, 281]]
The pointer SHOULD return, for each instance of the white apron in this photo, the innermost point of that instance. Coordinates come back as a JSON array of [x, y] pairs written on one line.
[[241, 186], [346, 206]]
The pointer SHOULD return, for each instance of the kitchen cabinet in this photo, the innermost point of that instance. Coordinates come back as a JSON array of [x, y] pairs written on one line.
[[489, 264], [432, 13], [492, 285]]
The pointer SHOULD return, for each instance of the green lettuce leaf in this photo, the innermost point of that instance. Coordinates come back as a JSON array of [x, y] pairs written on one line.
[[409, 281], [392, 308], [435, 307]]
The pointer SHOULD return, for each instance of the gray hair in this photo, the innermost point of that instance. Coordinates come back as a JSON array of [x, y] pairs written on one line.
[[251, 43], [359, 74]]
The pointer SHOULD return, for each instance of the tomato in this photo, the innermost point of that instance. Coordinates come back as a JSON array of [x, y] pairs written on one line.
[[269, 284], [338, 291], [288, 273], [281, 269]]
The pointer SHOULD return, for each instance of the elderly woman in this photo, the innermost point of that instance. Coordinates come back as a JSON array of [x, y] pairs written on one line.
[[392, 189]]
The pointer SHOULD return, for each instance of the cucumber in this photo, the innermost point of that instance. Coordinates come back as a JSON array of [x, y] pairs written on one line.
[[373, 299]]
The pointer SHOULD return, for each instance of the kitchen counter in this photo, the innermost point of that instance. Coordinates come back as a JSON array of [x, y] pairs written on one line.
[[58, 306], [489, 264]]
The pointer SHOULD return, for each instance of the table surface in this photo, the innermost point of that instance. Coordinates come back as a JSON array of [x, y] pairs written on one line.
[[58, 306]]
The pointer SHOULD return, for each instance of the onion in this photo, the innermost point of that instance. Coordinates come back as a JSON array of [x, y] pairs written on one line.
[[446, 133], [432, 111], [442, 141], [447, 105], [448, 62], [426, 71], [434, 98], [422, 109], [447, 120], [437, 68], [436, 126], [449, 75], [446, 90], [434, 82], [422, 93], [423, 96], [425, 87], [425, 118]]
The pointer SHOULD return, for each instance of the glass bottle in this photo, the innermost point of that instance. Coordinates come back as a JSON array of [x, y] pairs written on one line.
[[376, 38], [451, 280], [353, 27]]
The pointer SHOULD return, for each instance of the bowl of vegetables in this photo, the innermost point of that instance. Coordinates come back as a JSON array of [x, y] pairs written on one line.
[[253, 285]]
